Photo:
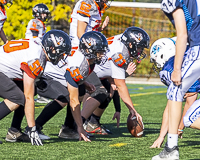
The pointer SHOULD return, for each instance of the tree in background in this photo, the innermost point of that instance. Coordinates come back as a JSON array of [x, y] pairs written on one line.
[[20, 14]]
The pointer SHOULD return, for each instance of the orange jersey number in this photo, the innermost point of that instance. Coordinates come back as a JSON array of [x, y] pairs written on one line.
[[85, 6], [12, 46], [36, 68], [119, 59], [76, 75]]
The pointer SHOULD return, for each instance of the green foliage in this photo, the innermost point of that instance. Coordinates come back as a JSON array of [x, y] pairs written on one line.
[[20, 13]]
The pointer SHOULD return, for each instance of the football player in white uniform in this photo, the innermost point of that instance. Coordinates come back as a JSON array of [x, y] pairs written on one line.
[[162, 55], [36, 26], [123, 48], [86, 16], [3, 18], [25, 60], [64, 85]]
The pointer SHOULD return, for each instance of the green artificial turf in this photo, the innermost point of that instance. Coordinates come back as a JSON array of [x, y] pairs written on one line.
[[149, 101]]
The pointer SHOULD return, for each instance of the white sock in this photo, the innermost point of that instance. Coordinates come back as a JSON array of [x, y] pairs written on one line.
[[172, 140]]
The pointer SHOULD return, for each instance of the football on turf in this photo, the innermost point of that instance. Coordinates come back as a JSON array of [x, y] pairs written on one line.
[[136, 128]]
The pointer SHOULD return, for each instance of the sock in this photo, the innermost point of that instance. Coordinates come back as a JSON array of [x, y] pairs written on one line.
[[18, 117], [50, 110], [94, 119], [172, 140], [69, 119], [4, 110]]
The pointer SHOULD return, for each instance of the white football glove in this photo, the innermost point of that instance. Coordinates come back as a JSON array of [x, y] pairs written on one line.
[[33, 135]]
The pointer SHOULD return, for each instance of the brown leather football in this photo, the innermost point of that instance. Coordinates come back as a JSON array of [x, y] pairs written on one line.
[[136, 128]]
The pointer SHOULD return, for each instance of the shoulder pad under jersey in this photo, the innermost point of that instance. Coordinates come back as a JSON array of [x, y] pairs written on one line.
[[88, 8], [121, 59], [79, 74], [36, 67], [36, 24]]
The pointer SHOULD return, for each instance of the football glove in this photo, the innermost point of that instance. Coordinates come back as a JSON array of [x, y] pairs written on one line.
[[33, 135]]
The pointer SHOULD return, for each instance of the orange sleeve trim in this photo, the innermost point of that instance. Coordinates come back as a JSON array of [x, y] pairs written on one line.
[[109, 58], [34, 29], [25, 68], [84, 13], [110, 38]]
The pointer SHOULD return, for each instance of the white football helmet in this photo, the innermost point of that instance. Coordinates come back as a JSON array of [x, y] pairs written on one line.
[[160, 52]]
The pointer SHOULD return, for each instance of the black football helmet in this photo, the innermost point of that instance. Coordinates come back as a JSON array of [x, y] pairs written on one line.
[[92, 43], [135, 39], [103, 4], [40, 9], [57, 45]]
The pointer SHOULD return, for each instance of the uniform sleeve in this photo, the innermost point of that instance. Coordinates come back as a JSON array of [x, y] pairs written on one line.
[[169, 6], [117, 72], [33, 68], [70, 80]]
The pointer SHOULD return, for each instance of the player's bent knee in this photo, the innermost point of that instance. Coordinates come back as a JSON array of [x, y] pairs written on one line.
[[100, 95], [105, 104], [186, 121]]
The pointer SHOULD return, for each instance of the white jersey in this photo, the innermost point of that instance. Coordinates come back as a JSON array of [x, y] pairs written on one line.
[[117, 60], [22, 55], [35, 25], [86, 11], [56, 73], [3, 17], [78, 66]]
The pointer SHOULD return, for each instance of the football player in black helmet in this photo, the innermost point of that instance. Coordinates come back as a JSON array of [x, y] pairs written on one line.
[[54, 46], [57, 45], [136, 39], [94, 46], [36, 26], [41, 12]]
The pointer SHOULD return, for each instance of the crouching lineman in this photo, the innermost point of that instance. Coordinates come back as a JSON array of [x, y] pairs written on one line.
[[162, 55], [123, 48], [64, 85], [25, 60]]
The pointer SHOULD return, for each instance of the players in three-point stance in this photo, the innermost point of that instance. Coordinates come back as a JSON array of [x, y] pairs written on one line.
[[184, 16], [123, 48], [26, 60]]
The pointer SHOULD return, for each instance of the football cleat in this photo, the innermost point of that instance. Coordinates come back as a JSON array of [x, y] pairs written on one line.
[[68, 133], [95, 128], [168, 154], [14, 135]]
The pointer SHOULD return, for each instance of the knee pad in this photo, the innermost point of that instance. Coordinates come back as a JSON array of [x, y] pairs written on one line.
[[105, 104], [100, 94]]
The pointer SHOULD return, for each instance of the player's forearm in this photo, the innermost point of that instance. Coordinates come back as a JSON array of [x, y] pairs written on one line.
[[30, 111], [3, 36], [124, 94], [76, 112]]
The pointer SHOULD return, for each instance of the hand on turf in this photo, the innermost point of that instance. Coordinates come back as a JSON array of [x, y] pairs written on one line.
[[158, 142], [131, 68], [117, 117], [33, 135], [180, 134], [82, 134]]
